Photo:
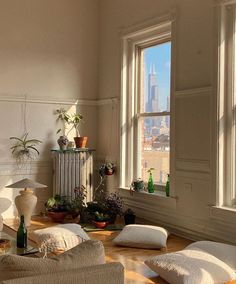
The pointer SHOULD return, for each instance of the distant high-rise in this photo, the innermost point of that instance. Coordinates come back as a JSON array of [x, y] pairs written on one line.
[[153, 96]]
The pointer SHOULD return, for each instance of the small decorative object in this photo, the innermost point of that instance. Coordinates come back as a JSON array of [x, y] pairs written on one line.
[[62, 142], [58, 207], [21, 238], [150, 186], [71, 145], [167, 187], [5, 245], [26, 201], [129, 217], [24, 148], [113, 206], [137, 185]]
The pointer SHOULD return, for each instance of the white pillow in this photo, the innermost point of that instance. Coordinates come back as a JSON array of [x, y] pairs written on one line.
[[142, 236], [191, 266], [59, 238], [226, 253]]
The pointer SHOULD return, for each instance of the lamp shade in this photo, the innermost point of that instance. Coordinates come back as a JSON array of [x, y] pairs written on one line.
[[26, 183], [26, 201]]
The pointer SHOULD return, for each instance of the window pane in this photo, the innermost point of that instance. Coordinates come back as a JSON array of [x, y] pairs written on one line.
[[154, 147], [155, 78]]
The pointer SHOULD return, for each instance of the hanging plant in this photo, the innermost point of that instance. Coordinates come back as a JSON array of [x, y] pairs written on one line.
[[24, 148]]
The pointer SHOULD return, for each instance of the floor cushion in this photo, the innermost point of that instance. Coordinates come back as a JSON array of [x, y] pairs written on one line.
[[191, 266], [142, 236], [225, 252], [59, 238], [85, 254]]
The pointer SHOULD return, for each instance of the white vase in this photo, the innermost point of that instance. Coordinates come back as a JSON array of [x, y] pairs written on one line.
[[25, 204]]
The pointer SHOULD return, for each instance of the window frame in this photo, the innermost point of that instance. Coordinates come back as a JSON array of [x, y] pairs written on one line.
[[226, 103], [141, 37]]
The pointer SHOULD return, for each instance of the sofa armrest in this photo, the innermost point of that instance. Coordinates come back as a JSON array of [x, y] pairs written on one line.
[[109, 273]]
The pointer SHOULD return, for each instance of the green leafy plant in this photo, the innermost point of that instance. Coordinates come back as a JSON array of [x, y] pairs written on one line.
[[24, 147], [78, 202], [101, 217], [75, 120], [150, 170], [58, 203], [63, 117]]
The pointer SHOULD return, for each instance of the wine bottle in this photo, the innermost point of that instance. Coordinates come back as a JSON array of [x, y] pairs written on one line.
[[21, 239], [167, 188], [150, 183]]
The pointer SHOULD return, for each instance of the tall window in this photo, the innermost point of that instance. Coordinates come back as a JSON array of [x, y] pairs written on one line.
[[226, 192], [153, 112], [146, 105]]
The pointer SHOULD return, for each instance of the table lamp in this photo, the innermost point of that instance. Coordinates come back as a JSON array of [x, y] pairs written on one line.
[[26, 201]]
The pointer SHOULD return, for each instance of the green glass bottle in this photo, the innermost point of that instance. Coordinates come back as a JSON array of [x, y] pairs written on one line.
[[21, 238], [150, 183], [167, 188]]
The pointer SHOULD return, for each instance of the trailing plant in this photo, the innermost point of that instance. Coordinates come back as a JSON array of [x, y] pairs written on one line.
[[24, 147], [101, 217]]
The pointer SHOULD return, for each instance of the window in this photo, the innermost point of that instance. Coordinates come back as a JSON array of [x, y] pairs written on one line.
[[146, 105], [226, 104]]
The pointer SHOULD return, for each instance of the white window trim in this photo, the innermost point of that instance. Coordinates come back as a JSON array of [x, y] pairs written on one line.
[[130, 39], [225, 187]]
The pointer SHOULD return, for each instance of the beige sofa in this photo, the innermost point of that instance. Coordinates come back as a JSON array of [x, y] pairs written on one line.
[[110, 273], [84, 264]]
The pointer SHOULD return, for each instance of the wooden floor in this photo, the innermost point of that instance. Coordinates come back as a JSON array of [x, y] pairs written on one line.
[[132, 259]]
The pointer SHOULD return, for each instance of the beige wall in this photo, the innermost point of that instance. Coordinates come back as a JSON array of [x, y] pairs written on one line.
[[48, 52], [194, 142]]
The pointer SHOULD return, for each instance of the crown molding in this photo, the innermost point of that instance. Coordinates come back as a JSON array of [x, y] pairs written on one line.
[[57, 101]]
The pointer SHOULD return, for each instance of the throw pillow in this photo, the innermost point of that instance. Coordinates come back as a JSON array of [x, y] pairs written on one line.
[[86, 254], [142, 236], [191, 267], [59, 238], [225, 252]]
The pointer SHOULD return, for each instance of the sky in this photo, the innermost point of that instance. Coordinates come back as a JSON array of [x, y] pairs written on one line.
[[160, 56]]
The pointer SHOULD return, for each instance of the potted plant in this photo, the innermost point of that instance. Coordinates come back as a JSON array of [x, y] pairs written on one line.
[[107, 169], [64, 118], [24, 148], [101, 219], [113, 206], [129, 216], [77, 204], [80, 141], [57, 207]]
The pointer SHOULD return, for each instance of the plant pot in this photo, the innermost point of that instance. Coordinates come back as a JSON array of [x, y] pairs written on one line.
[[62, 142], [57, 217], [100, 224], [109, 172], [80, 142], [129, 219]]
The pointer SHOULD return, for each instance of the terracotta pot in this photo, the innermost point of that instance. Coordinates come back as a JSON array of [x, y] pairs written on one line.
[[100, 224], [80, 142], [57, 217]]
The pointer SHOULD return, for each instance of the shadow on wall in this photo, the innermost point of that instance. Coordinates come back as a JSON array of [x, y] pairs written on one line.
[[5, 203]]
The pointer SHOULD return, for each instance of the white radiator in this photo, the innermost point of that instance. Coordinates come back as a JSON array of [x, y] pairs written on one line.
[[72, 169]]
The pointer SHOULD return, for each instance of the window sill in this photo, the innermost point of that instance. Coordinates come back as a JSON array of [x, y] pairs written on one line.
[[157, 198], [226, 214]]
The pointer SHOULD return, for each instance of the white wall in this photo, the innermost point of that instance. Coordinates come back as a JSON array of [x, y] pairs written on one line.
[[190, 212], [48, 52]]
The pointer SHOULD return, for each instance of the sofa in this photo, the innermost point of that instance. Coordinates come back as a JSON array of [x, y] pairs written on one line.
[[84, 263]]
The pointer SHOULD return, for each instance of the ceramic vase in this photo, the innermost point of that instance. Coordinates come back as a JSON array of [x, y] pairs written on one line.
[[62, 142]]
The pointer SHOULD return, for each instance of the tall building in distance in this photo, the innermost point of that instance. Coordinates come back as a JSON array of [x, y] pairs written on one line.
[[152, 104]]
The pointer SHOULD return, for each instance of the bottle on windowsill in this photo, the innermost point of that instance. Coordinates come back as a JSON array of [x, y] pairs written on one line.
[[167, 187], [21, 238], [150, 183]]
